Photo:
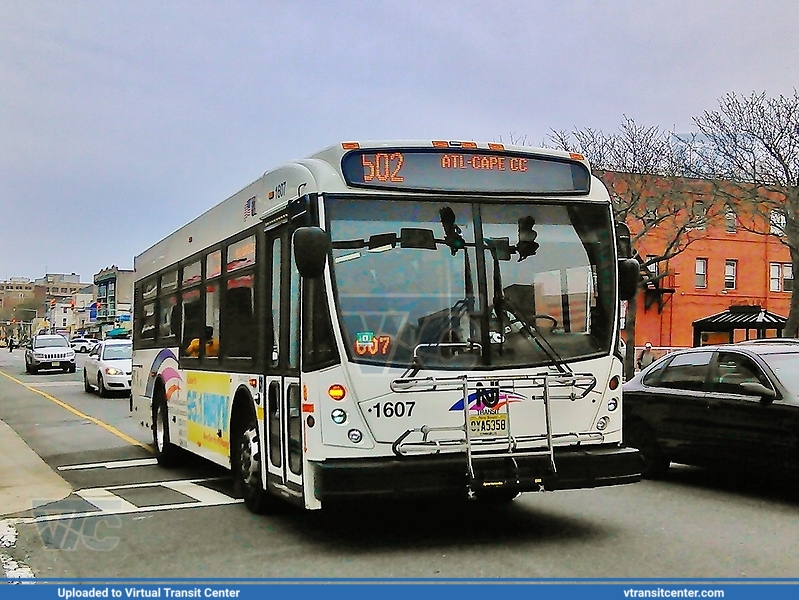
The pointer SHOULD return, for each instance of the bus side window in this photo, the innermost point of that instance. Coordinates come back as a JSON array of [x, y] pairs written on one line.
[[274, 356], [192, 322]]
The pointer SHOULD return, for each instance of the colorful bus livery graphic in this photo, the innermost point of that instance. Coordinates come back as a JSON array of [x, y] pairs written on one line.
[[165, 365], [488, 400], [488, 410], [208, 410]]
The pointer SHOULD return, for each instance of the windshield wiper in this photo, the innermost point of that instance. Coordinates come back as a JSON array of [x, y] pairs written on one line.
[[500, 300], [538, 337]]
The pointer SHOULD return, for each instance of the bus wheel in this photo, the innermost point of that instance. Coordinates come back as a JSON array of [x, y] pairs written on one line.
[[247, 467], [638, 434], [165, 451]]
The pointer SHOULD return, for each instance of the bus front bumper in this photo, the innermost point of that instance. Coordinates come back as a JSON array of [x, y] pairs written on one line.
[[575, 468]]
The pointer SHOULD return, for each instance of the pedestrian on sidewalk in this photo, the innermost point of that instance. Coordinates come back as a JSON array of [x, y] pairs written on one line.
[[646, 357]]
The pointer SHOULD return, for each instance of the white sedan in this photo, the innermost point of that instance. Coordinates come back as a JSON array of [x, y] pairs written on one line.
[[108, 367]]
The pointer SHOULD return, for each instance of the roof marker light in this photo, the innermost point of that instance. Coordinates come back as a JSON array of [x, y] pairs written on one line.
[[472, 145], [350, 145], [438, 144], [576, 156], [496, 146]]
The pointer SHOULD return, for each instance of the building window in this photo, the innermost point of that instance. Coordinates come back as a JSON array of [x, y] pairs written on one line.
[[730, 220], [699, 215], [780, 277], [777, 220], [701, 273], [652, 269], [730, 271]]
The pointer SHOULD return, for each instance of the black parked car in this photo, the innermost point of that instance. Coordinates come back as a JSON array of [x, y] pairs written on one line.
[[733, 405]]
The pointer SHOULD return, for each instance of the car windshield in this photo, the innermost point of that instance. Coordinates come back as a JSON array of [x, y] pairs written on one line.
[[50, 342], [472, 284], [117, 352]]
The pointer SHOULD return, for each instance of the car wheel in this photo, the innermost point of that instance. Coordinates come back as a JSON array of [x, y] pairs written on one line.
[[101, 386], [247, 458], [165, 451], [654, 463], [86, 385]]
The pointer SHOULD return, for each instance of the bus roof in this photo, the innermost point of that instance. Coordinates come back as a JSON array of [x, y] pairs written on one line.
[[321, 172]]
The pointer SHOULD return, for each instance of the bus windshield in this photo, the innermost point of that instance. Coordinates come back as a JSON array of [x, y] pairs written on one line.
[[472, 284]]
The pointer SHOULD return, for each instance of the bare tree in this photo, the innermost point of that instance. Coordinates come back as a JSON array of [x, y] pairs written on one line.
[[643, 169], [749, 147]]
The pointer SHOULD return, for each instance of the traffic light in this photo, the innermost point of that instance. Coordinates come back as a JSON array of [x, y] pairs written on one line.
[[527, 246]]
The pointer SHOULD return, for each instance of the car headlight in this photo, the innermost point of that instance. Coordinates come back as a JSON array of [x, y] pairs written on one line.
[[112, 371]]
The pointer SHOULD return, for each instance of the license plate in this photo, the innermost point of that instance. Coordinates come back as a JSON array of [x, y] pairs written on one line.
[[488, 425], [56, 363]]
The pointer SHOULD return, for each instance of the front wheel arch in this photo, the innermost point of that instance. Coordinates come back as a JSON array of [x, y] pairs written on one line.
[[166, 453], [247, 455]]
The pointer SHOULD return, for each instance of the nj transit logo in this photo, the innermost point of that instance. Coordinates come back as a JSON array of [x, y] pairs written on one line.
[[488, 398]]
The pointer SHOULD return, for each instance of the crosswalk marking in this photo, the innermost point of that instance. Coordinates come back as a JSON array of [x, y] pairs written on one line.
[[115, 464], [109, 503]]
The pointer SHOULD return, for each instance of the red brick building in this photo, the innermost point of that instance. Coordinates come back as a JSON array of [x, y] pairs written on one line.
[[726, 265]]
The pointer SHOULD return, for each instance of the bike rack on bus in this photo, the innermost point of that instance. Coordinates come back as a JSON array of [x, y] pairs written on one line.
[[559, 386]]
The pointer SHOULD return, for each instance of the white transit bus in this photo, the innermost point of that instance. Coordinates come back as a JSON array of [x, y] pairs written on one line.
[[392, 319]]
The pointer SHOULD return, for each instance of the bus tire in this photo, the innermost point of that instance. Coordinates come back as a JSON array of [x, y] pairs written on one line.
[[165, 451], [654, 463], [246, 463]]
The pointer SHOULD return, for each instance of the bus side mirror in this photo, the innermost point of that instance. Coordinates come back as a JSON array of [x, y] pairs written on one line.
[[629, 272], [623, 240], [311, 248]]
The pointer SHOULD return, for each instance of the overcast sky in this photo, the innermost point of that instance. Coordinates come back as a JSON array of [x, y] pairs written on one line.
[[120, 121]]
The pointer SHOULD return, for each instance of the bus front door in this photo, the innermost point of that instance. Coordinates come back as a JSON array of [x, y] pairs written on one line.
[[282, 415]]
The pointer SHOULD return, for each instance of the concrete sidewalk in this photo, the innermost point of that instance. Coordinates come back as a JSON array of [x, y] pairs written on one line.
[[24, 477]]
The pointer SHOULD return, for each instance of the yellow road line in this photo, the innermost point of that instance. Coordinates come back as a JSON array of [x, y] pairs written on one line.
[[76, 412]]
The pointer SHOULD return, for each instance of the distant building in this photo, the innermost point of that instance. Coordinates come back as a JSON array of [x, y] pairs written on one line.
[[81, 309], [114, 303]]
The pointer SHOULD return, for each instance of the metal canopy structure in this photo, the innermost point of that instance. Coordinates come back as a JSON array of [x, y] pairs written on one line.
[[747, 318]]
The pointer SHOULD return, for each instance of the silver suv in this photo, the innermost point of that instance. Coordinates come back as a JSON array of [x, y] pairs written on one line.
[[49, 352]]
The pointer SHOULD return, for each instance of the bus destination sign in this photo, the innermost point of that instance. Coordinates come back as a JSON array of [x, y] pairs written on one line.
[[464, 170]]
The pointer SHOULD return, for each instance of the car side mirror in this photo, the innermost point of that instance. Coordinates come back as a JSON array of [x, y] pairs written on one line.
[[752, 388]]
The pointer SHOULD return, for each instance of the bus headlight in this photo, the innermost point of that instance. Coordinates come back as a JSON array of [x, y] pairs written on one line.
[[602, 423], [339, 416], [613, 404], [355, 436]]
